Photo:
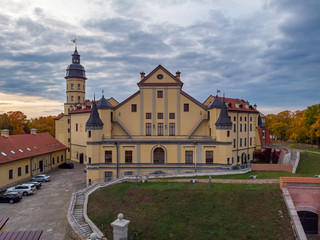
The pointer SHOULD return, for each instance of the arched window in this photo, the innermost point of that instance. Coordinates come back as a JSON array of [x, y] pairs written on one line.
[[158, 156]]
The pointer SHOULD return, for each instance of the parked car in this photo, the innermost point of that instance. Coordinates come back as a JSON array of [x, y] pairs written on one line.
[[25, 189], [10, 197], [66, 165], [37, 184], [41, 178]]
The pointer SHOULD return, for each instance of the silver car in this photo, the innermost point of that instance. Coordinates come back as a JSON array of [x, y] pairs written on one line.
[[41, 178], [24, 189]]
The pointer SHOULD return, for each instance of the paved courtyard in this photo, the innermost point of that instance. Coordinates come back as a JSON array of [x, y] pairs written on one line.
[[47, 208]]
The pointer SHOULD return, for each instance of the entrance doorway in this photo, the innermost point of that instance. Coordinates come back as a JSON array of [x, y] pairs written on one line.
[[158, 156], [41, 166], [309, 221], [81, 158], [243, 158]]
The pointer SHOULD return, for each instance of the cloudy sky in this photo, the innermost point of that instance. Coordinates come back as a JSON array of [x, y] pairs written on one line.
[[266, 52]]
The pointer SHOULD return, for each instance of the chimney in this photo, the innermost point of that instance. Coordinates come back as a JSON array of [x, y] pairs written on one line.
[[33, 131], [5, 133], [247, 105], [255, 106], [178, 74], [142, 74], [237, 103]]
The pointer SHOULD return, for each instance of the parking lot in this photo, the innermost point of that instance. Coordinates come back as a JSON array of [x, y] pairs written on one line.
[[47, 208]]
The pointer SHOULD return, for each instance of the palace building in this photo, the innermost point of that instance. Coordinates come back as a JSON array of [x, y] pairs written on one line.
[[158, 129]]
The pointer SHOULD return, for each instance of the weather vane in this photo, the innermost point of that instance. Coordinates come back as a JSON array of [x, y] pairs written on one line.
[[218, 91], [75, 42]]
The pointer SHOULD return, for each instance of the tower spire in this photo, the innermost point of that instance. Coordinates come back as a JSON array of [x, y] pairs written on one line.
[[75, 42]]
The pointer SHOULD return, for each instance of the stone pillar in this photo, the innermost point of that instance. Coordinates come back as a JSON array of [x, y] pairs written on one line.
[[120, 228]]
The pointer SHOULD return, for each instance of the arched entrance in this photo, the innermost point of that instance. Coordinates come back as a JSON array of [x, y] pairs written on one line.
[[158, 155], [243, 158], [309, 221]]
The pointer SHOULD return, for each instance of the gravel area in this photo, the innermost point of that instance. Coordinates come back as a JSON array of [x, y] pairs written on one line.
[[47, 208]]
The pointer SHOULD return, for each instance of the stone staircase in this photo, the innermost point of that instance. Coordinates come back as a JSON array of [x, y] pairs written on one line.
[[78, 214]]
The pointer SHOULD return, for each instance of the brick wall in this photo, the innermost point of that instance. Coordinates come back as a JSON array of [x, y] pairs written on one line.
[[271, 167]]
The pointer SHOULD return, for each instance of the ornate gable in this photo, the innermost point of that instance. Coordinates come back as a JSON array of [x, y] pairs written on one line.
[[160, 76]]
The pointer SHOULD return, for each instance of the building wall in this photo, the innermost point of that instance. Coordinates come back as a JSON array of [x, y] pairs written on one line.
[[49, 162]]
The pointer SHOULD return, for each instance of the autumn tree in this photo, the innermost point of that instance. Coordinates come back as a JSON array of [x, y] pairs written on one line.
[[43, 124]]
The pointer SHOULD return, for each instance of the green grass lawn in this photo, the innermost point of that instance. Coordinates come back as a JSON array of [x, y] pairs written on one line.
[[170, 210], [297, 146]]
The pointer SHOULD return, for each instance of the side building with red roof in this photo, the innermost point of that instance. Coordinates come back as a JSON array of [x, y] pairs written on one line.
[[26, 155], [158, 129]]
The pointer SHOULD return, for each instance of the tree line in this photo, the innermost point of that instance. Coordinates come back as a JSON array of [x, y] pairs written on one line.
[[17, 123], [299, 126]]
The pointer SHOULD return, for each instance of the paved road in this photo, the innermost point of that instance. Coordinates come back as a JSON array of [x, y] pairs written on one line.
[[47, 208]]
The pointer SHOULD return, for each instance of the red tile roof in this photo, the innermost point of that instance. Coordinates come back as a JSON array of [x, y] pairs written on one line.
[[80, 111], [16, 147], [59, 116], [21, 235]]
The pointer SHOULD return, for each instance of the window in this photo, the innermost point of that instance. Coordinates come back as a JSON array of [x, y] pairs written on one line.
[[108, 156], [228, 160], [79, 87], [79, 99], [250, 141], [10, 174], [240, 142], [160, 129], [160, 115], [89, 134], [19, 171], [27, 169], [89, 160], [72, 86], [68, 139], [128, 156], [209, 157], [148, 115], [76, 127], [172, 129], [234, 127], [58, 159], [248, 157], [250, 127], [186, 107], [240, 127], [53, 160], [172, 115], [68, 121], [234, 143], [245, 142], [71, 98], [245, 127], [189, 157], [234, 119], [61, 158], [148, 129], [68, 130], [160, 94], [228, 133], [245, 119], [133, 107], [240, 118], [250, 119]]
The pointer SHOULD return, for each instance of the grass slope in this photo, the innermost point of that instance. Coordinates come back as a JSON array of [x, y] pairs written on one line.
[[164, 210]]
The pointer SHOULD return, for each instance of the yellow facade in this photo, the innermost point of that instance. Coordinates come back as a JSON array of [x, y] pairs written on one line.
[[23, 169], [160, 128]]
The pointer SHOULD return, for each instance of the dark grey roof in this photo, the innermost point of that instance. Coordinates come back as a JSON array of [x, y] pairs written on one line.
[[104, 104], [216, 103], [223, 120], [75, 69], [94, 120]]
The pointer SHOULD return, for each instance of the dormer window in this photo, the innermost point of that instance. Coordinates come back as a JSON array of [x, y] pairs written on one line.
[[36, 147], [20, 150], [3, 154], [29, 149], [13, 152]]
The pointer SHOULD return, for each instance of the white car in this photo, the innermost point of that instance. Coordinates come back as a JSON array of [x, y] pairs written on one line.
[[41, 178], [24, 189]]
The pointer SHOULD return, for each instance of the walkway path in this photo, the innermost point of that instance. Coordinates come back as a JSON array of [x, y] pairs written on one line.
[[236, 181]]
